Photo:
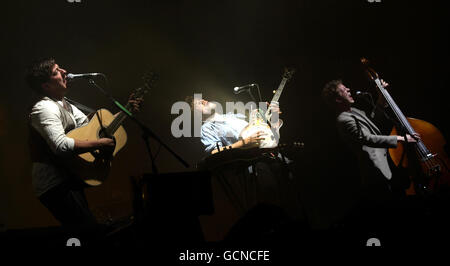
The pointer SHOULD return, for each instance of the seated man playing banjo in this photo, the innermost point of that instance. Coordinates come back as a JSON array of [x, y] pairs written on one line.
[[223, 130], [265, 181]]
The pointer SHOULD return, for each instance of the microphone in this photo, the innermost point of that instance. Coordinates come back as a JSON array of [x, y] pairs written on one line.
[[238, 90], [71, 76], [361, 93]]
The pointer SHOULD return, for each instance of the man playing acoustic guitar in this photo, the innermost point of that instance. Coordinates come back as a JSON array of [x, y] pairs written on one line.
[[51, 117]]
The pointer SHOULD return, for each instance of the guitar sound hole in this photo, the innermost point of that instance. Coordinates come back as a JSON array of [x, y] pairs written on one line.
[[103, 133]]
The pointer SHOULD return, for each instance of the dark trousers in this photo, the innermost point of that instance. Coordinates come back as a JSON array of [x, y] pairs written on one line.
[[69, 206]]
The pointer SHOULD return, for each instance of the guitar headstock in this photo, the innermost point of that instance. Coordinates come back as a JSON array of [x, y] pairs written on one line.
[[288, 72], [137, 96], [149, 80]]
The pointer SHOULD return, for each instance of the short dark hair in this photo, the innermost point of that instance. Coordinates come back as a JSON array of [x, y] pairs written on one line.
[[329, 91], [38, 73]]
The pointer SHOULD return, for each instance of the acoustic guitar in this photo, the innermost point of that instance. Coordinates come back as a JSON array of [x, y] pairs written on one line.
[[93, 167]]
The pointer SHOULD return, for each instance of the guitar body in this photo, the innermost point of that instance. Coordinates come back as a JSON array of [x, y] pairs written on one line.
[[418, 170], [93, 167], [90, 167], [257, 124]]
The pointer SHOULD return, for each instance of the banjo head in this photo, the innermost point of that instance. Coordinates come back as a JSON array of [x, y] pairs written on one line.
[[269, 140]]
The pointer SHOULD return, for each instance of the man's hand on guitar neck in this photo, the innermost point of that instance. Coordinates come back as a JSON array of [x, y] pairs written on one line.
[[135, 103]]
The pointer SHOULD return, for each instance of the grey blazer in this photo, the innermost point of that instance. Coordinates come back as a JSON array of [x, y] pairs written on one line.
[[366, 141]]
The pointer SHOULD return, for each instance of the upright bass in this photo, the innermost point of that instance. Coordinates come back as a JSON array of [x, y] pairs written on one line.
[[425, 161]]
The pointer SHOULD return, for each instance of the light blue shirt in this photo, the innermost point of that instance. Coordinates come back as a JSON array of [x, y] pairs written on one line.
[[222, 130]]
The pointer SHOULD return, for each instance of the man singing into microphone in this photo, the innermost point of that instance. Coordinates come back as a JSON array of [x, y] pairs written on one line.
[[365, 140], [51, 117]]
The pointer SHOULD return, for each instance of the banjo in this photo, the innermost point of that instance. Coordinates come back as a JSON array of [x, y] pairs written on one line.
[[258, 118]]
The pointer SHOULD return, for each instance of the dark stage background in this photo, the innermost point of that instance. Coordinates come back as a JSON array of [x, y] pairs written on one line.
[[210, 47]]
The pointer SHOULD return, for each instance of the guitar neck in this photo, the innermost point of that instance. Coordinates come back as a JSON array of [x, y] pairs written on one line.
[[116, 123]]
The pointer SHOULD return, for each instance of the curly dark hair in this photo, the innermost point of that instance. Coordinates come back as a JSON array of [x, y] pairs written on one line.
[[329, 93], [38, 73], [190, 101]]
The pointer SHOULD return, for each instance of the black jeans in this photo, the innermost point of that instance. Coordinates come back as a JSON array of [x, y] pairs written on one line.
[[268, 182], [68, 205]]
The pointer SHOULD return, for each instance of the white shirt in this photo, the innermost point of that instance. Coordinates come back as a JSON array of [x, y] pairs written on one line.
[[46, 119]]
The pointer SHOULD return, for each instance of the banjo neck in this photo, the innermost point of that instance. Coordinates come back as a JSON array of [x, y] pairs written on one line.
[[287, 75], [277, 94]]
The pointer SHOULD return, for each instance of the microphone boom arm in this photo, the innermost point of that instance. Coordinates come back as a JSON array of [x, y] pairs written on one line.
[[146, 131]]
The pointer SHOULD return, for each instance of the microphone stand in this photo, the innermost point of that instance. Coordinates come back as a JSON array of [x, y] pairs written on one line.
[[254, 100], [251, 95], [147, 133]]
